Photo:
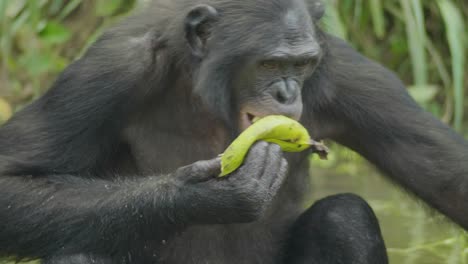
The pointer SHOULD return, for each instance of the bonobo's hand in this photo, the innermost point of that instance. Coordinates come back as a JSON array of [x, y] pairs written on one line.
[[239, 197]]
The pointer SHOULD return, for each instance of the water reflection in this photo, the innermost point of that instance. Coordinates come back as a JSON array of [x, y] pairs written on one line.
[[414, 234]]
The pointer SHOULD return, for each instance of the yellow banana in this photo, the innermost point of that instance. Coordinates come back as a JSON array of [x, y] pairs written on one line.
[[289, 134]]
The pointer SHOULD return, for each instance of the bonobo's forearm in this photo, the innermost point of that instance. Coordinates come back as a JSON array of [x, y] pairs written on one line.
[[371, 112], [44, 216], [74, 128], [67, 214], [427, 159]]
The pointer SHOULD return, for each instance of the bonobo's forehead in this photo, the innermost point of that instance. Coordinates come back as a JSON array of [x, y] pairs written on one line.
[[296, 26], [292, 33], [261, 27], [296, 17]]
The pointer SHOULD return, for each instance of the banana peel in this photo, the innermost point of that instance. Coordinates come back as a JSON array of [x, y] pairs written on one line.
[[289, 134]]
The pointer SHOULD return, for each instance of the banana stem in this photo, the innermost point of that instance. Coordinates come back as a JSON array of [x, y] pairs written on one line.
[[319, 148]]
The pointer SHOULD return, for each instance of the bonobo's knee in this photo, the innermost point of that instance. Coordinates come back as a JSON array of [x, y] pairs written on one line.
[[344, 209], [343, 212], [337, 229]]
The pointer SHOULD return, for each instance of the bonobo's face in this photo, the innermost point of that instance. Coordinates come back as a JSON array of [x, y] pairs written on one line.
[[263, 60], [272, 82]]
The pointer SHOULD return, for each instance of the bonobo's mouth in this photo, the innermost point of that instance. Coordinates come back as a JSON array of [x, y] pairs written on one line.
[[247, 118]]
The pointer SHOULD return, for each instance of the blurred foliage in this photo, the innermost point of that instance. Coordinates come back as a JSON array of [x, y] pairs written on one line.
[[39, 38], [423, 41]]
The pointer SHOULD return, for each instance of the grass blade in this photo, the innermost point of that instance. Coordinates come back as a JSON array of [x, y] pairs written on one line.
[[332, 21], [416, 40], [69, 8], [456, 38], [378, 18]]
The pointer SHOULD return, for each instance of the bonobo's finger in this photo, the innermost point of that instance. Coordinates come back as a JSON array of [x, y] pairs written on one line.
[[272, 162], [208, 169], [258, 150], [201, 170], [280, 177], [254, 163], [211, 167]]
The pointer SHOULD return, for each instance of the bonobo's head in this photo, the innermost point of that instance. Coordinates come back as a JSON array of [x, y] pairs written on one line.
[[252, 56]]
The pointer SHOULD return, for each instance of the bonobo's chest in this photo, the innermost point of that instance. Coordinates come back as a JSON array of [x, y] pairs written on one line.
[[166, 140], [170, 135], [158, 150], [258, 242]]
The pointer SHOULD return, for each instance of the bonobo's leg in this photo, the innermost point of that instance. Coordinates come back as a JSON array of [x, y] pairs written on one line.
[[79, 259], [337, 229]]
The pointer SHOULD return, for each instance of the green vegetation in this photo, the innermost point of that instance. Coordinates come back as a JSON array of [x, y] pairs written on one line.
[[39, 39], [424, 42]]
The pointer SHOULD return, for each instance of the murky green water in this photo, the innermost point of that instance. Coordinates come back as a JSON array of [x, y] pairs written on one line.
[[414, 234]]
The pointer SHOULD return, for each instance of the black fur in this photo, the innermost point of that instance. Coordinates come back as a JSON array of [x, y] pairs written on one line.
[[92, 172]]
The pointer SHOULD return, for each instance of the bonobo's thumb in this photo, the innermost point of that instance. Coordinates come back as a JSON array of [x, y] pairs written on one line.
[[200, 171]]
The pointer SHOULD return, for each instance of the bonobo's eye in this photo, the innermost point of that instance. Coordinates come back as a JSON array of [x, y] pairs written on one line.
[[303, 63], [270, 64]]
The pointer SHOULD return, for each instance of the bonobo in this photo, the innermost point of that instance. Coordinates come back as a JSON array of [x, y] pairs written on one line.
[[116, 163]]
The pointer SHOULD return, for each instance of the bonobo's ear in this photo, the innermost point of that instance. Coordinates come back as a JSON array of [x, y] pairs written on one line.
[[198, 25], [317, 9]]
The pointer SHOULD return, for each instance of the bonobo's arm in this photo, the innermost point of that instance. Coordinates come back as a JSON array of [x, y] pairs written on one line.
[[49, 148], [364, 106], [64, 214]]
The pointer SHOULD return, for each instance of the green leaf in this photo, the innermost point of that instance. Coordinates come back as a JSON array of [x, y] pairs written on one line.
[[107, 7], [378, 18], [416, 39], [19, 22], [423, 94], [72, 5], [55, 6], [14, 7], [5, 110], [36, 63], [333, 22], [2, 12], [54, 33]]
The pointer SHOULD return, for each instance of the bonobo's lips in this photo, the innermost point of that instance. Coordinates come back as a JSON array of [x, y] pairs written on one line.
[[246, 118]]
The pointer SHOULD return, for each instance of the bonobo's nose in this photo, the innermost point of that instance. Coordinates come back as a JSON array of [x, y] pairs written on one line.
[[286, 91]]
